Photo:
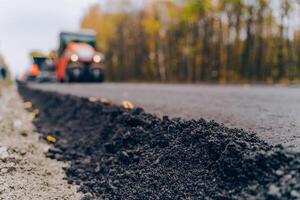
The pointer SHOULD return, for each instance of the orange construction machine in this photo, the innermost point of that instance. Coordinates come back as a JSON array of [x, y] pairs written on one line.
[[78, 59], [33, 72], [42, 68]]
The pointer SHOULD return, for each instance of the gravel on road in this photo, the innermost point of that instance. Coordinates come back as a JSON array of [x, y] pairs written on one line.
[[129, 154], [25, 172]]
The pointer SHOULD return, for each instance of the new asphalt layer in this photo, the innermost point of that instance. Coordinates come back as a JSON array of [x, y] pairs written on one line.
[[270, 111]]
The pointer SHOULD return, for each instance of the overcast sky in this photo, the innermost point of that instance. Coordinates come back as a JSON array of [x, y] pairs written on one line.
[[27, 25]]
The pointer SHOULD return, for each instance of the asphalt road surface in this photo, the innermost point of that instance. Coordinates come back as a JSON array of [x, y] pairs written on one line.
[[273, 112]]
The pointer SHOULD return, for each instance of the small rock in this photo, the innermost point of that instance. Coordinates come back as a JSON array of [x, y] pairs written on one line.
[[45, 150], [97, 169], [17, 124], [286, 177], [23, 152], [24, 134], [55, 150], [27, 105], [124, 153], [77, 182], [279, 172], [295, 194], [106, 101], [51, 139], [127, 105], [58, 157], [11, 169], [274, 191], [48, 173], [3, 152], [94, 99], [4, 170], [86, 160]]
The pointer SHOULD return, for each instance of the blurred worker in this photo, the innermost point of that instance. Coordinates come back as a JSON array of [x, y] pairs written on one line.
[[3, 72]]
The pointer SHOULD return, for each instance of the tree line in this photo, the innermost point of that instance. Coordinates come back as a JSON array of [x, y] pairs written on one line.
[[199, 40]]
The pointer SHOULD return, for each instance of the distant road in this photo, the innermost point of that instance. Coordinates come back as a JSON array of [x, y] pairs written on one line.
[[271, 111]]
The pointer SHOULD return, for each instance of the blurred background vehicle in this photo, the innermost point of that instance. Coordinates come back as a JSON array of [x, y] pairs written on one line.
[[47, 71], [78, 59], [31, 75], [47, 68], [42, 68]]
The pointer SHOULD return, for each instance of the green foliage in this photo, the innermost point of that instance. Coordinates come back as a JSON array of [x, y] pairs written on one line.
[[198, 40], [194, 8]]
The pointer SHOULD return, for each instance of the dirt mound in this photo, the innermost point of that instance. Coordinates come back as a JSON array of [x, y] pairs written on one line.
[[119, 154]]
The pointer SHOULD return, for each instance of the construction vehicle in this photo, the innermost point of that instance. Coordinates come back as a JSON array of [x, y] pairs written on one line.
[[42, 68], [47, 68], [78, 59], [37, 58]]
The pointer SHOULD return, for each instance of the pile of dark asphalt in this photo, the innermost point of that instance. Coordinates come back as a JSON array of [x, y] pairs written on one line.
[[129, 154]]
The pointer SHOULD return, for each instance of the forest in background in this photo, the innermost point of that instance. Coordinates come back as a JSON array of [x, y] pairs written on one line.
[[223, 41]]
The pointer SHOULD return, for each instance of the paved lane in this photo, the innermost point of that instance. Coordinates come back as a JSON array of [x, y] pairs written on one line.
[[271, 111]]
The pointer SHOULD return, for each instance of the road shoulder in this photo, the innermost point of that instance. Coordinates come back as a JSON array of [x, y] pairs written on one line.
[[25, 172]]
